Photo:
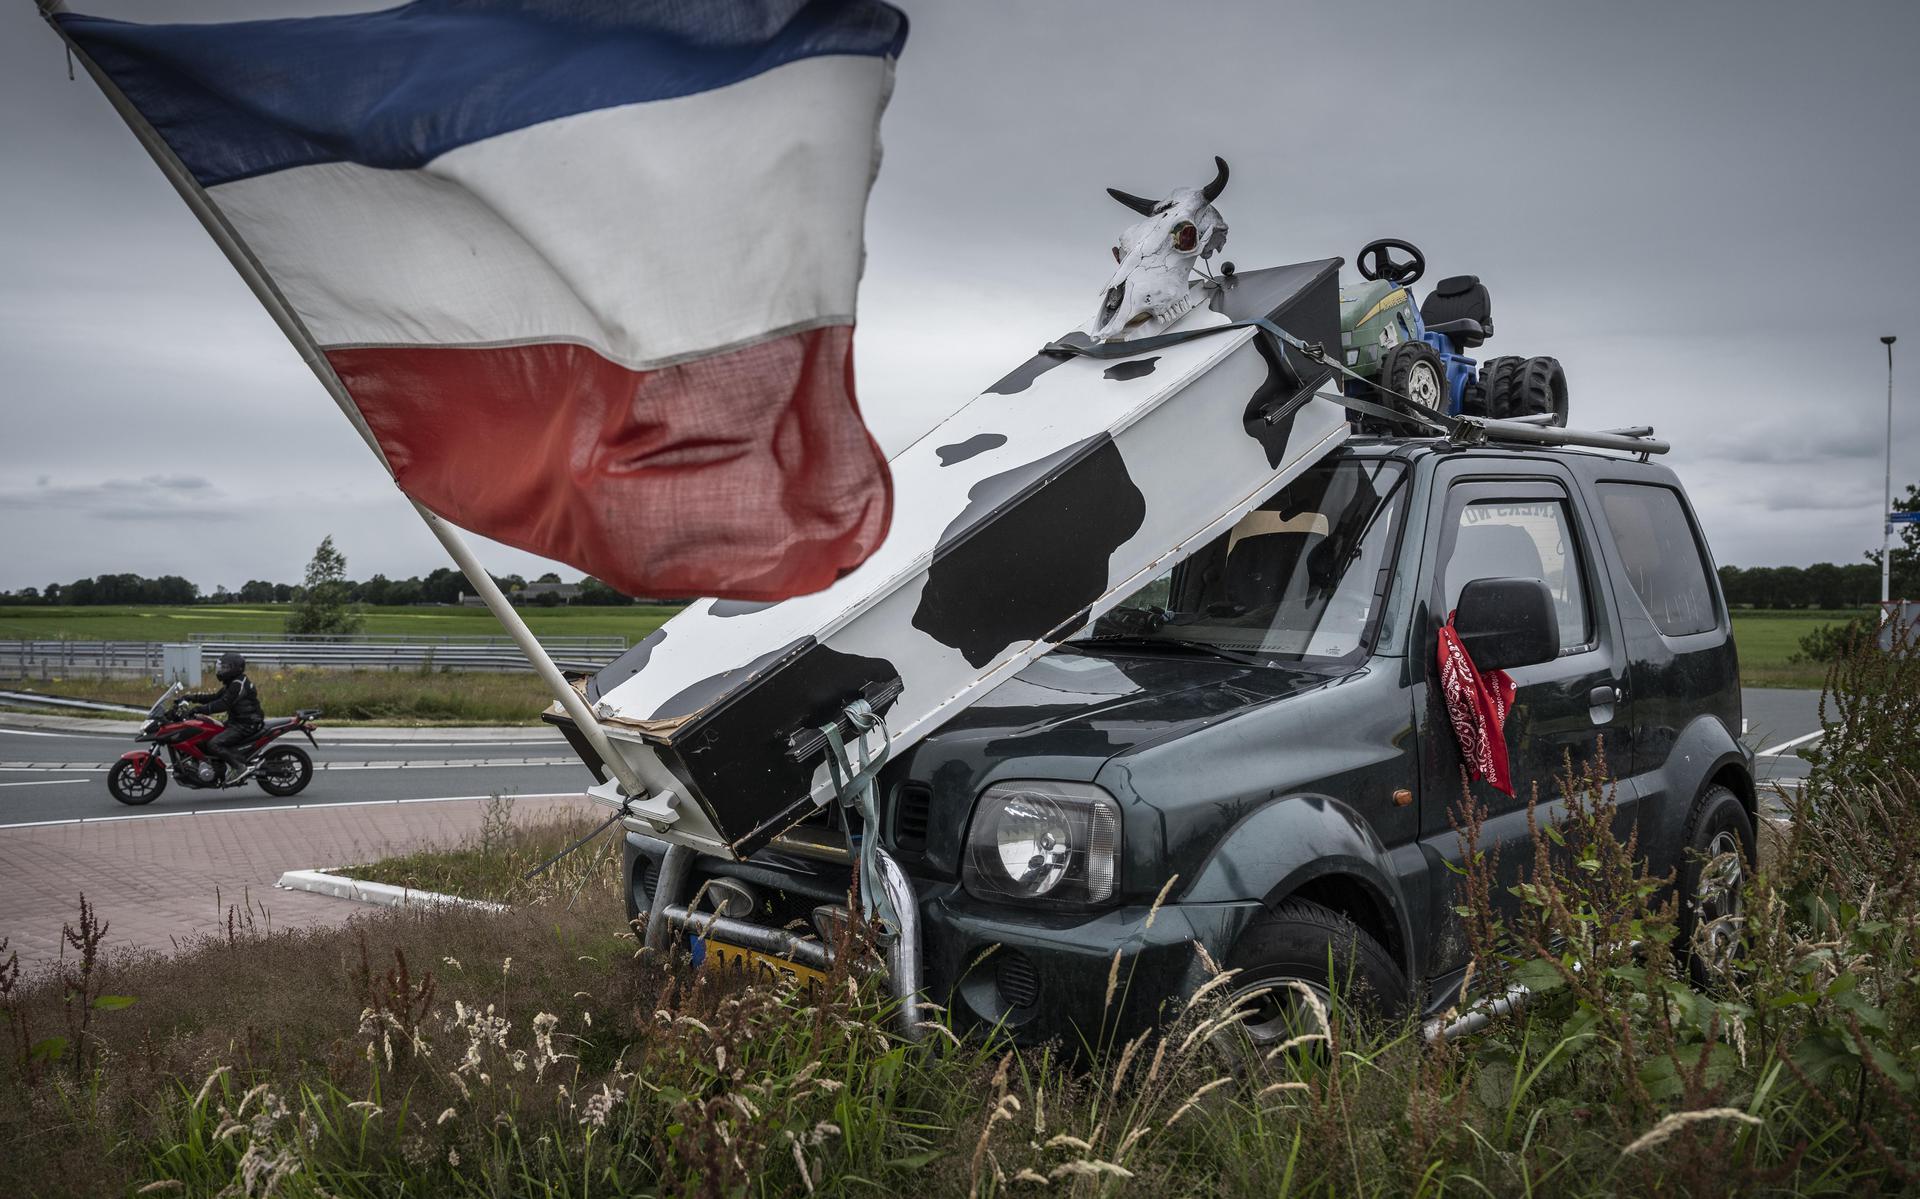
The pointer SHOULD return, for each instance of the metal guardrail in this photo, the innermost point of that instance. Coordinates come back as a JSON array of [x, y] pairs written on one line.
[[609, 641], [60, 659]]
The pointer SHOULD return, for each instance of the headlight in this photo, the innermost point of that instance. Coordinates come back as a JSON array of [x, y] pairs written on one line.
[[1034, 840]]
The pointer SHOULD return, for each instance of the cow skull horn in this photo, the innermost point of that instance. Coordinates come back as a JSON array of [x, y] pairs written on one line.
[[1139, 204], [1212, 190]]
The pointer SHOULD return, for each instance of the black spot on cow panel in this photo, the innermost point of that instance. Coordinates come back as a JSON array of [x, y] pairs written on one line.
[[972, 447], [1131, 370], [625, 666], [695, 698], [737, 755], [1031, 550], [1021, 377], [726, 608]]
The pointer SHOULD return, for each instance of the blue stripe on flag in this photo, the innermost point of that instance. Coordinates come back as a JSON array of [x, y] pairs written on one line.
[[399, 87]]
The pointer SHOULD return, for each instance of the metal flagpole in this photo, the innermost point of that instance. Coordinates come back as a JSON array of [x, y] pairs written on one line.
[[1886, 507], [296, 331]]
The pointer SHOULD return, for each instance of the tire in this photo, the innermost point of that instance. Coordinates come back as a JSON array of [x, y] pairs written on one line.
[[1527, 387], [285, 770], [1414, 369], [1497, 380], [1718, 854], [1296, 942], [133, 788]]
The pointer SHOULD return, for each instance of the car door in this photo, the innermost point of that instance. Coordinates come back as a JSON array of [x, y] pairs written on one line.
[[1573, 708]]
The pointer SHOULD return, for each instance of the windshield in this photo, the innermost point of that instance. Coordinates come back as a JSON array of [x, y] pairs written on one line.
[[1301, 578], [160, 705]]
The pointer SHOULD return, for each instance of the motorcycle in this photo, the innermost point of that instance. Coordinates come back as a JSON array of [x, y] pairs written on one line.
[[180, 750]]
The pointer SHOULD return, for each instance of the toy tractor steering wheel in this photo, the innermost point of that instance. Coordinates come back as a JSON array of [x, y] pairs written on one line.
[[1376, 261]]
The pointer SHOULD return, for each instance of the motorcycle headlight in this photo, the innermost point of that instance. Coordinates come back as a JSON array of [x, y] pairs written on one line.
[[1043, 840]]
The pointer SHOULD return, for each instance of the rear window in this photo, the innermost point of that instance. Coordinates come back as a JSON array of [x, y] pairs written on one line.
[[1662, 552]]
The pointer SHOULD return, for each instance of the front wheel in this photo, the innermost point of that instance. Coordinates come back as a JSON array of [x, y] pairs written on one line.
[[133, 786], [285, 770], [1325, 954], [1414, 369]]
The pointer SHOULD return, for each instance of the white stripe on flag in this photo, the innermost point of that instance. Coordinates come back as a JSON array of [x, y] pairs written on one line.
[[650, 232]]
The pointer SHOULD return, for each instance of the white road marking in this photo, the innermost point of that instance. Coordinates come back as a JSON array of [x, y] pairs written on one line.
[[48, 783], [1784, 746], [227, 811], [38, 733]]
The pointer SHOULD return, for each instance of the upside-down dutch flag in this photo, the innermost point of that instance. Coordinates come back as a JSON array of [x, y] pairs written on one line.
[[585, 268]]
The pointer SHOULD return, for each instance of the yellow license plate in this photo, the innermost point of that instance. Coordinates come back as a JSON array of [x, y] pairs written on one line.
[[762, 967]]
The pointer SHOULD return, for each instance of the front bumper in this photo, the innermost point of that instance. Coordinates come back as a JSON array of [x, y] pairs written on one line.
[[1039, 975]]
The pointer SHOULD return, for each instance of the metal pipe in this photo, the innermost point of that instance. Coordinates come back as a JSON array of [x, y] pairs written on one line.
[[1477, 1016], [1506, 430], [903, 956], [669, 887], [776, 941]]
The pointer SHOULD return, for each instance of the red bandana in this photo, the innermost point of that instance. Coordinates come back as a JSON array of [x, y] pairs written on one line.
[[1477, 704]]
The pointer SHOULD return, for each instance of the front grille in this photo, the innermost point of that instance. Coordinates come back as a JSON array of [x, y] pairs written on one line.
[[1019, 982], [910, 807], [643, 877]]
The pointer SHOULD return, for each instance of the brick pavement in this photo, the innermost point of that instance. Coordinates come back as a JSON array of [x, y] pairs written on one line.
[[163, 878]]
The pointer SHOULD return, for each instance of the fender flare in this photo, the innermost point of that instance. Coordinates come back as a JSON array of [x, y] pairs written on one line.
[[1701, 753], [140, 758], [1293, 841]]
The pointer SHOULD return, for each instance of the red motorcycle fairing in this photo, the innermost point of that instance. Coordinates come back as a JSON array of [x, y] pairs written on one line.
[[141, 757]]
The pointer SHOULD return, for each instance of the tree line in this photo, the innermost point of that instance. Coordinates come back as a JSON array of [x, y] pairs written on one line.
[[442, 586]]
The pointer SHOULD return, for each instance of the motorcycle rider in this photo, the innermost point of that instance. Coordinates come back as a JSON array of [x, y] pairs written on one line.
[[238, 699]]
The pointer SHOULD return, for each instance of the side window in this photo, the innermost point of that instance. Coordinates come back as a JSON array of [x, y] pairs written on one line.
[[1661, 550], [1522, 539]]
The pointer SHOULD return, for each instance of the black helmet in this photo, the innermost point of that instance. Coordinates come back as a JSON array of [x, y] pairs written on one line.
[[232, 666]]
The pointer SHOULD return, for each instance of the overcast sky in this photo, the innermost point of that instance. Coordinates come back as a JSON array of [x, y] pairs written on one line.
[[1706, 211]]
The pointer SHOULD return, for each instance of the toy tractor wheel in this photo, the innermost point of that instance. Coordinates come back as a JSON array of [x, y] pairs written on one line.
[[1526, 387], [1413, 369]]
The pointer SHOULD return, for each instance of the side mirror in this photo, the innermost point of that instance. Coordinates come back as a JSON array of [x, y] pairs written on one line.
[[1504, 623]]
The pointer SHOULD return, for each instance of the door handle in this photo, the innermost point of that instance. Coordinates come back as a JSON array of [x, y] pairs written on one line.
[[1600, 697]]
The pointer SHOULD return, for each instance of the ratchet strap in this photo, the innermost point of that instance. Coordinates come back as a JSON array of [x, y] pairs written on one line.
[[1415, 411], [854, 788]]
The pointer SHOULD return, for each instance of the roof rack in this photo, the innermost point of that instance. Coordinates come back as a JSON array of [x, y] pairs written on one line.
[[1534, 430]]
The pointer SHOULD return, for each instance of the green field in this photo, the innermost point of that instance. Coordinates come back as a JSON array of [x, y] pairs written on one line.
[[116, 623], [1767, 638]]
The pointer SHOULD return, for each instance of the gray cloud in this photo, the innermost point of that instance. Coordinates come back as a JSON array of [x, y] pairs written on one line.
[[1702, 209], [183, 498]]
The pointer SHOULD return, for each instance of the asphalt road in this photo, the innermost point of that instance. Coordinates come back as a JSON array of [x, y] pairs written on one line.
[[48, 775]]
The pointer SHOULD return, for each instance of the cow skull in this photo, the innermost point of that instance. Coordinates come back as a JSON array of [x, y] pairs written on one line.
[[1149, 289]]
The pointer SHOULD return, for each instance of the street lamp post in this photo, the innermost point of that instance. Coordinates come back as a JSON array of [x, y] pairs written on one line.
[[1886, 507]]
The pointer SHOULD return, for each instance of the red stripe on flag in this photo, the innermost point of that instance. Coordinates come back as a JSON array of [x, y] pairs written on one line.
[[744, 475]]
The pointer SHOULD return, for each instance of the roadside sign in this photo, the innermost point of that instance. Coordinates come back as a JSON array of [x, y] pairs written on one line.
[[1903, 518]]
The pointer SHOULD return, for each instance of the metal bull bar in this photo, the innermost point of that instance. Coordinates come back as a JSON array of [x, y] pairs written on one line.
[[887, 897]]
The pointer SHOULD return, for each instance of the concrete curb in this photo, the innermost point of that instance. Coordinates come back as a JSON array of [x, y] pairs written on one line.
[[322, 882]]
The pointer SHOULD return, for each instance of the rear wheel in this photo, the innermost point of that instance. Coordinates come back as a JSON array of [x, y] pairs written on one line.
[[1719, 855], [1321, 951], [134, 786], [1413, 369], [1527, 387], [285, 770]]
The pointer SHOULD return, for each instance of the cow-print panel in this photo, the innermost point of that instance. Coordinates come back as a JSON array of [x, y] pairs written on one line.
[[1008, 572]]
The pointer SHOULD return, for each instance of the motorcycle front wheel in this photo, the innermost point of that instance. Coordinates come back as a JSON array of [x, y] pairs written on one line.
[[130, 785], [285, 770]]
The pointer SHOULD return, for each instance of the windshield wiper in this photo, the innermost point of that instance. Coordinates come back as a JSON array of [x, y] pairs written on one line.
[[1149, 641]]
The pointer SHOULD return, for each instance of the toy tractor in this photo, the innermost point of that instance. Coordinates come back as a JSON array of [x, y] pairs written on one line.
[[1416, 352]]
